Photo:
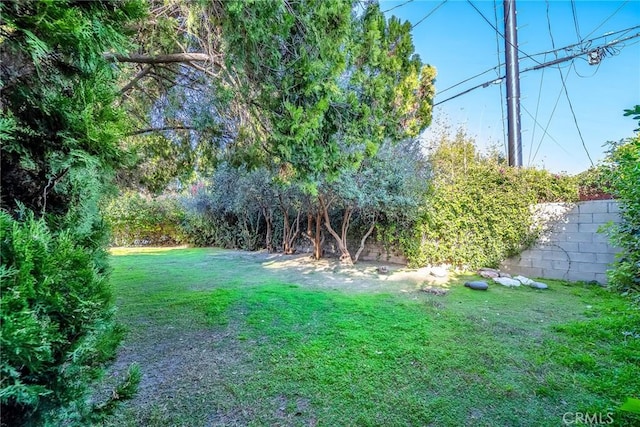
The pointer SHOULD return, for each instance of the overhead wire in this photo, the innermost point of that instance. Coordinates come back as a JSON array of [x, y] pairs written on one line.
[[574, 12], [624, 3], [546, 128], [564, 87], [429, 14], [504, 131], [575, 120], [535, 119], [495, 28], [397, 6], [555, 63]]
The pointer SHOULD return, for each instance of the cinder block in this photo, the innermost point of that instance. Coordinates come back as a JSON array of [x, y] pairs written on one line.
[[601, 278], [586, 218], [573, 218], [603, 218], [569, 246], [555, 255], [523, 262], [613, 207], [588, 228], [533, 254], [582, 256], [561, 265], [579, 237], [593, 206], [590, 267], [554, 274], [565, 227], [605, 258], [575, 276], [594, 247], [600, 238], [546, 264]]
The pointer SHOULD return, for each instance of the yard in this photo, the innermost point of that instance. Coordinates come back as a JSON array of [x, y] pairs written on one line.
[[237, 338]]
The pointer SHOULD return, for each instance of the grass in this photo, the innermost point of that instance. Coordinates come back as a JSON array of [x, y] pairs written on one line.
[[223, 341]]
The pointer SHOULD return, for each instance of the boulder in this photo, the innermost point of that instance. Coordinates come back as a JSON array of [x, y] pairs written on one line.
[[478, 285], [523, 280], [538, 285], [505, 281], [488, 273]]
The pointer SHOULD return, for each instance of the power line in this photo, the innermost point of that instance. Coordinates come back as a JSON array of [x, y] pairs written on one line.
[[472, 77], [397, 6], [554, 51], [498, 31], [562, 79], [504, 133], [539, 66], [545, 131], [587, 41], [575, 19], [428, 14], [609, 17], [575, 120], [553, 111], [535, 119]]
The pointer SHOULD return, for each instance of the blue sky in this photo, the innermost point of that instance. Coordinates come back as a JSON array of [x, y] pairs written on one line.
[[460, 43]]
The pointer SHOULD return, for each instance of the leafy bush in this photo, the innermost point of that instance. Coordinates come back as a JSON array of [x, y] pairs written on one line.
[[57, 325], [623, 161], [138, 219], [478, 211]]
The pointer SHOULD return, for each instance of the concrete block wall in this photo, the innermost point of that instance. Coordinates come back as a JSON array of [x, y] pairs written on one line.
[[570, 247]]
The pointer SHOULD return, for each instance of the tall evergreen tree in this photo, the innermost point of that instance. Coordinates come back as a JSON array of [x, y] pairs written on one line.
[[60, 135]]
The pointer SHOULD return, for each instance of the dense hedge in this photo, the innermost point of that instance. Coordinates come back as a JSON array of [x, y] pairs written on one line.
[[623, 162], [137, 219], [478, 212], [57, 327]]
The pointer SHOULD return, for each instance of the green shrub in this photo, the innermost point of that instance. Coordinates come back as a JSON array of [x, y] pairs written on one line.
[[479, 210], [136, 219], [57, 329], [623, 161]]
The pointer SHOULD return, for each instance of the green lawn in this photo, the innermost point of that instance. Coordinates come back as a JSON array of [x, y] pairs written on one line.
[[223, 340]]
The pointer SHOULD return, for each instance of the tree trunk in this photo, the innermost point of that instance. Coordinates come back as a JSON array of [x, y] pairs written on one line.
[[341, 240], [315, 236], [364, 239], [292, 234], [268, 217], [285, 231]]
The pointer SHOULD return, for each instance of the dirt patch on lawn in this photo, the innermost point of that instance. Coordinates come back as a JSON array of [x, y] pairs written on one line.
[[330, 273]]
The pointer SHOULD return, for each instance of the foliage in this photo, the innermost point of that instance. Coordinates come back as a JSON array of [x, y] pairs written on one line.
[[387, 189], [331, 84], [137, 219], [622, 160], [60, 130], [307, 347], [281, 83], [478, 211], [57, 326], [635, 112]]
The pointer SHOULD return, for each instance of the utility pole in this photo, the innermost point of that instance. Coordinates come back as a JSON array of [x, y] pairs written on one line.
[[513, 83]]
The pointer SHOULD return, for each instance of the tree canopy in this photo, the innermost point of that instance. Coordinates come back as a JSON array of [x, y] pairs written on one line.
[[310, 85]]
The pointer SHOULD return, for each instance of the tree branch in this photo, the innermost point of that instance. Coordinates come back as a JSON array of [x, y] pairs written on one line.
[[158, 59], [364, 239], [135, 79], [162, 129]]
